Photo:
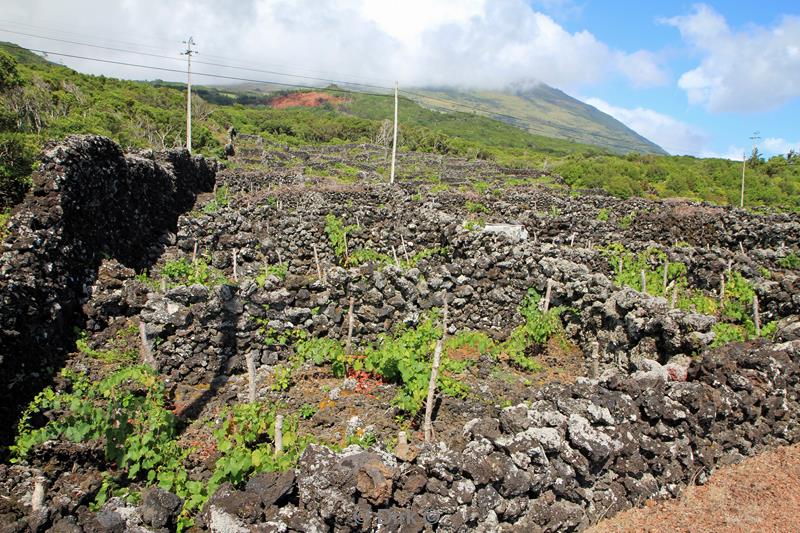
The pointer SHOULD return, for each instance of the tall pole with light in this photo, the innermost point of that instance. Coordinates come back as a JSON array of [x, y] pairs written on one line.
[[188, 53]]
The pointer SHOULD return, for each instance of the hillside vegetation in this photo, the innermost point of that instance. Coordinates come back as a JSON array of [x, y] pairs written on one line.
[[544, 110], [40, 101]]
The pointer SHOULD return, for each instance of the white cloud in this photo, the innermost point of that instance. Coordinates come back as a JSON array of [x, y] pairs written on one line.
[[481, 43], [773, 145], [642, 69], [756, 69], [734, 153], [672, 135], [768, 147]]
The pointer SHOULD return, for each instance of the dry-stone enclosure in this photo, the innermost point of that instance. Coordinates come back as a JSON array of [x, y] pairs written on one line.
[[216, 277]]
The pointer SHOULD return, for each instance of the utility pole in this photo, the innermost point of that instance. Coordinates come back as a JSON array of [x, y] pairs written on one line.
[[755, 138], [394, 141], [744, 163], [188, 53]]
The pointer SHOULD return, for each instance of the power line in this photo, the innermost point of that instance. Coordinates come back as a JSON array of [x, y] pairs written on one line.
[[89, 45], [207, 74], [166, 57], [272, 72], [235, 67], [84, 35]]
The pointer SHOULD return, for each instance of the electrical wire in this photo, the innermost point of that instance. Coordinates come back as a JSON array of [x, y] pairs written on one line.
[[198, 62], [263, 71], [486, 111], [312, 71], [208, 74]]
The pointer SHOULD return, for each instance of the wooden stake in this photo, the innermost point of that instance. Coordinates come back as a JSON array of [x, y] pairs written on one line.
[[346, 255], [547, 294], [444, 317], [595, 364], [722, 288], [358, 223], [278, 434], [619, 267], [405, 250], [437, 356], [316, 261], [280, 259], [674, 300], [394, 255], [145, 352], [666, 272], [235, 268], [39, 493], [572, 240], [194, 253], [251, 376], [741, 248], [349, 328], [644, 282], [163, 284], [756, 316]]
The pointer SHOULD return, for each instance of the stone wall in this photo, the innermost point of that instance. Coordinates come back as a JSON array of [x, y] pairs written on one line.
[[88, 202], [197, 333], [569, 457]]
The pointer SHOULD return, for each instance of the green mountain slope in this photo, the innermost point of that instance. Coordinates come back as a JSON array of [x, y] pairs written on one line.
[[546, 111]]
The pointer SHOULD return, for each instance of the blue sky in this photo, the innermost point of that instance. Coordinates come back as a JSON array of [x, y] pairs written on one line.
[[696, 78], [641, 25]]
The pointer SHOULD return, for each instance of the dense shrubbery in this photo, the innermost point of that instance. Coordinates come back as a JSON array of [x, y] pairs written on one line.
[[775, 182]]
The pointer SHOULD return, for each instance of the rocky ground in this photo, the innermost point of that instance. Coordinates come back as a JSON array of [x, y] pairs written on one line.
[[631, 398]]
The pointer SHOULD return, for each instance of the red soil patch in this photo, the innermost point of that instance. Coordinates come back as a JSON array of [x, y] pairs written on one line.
[[305, 99], [761, 494]]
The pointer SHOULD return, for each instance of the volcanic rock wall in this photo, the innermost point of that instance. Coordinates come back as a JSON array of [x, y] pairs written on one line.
[[572, 455], [88, 202], [197, 333]]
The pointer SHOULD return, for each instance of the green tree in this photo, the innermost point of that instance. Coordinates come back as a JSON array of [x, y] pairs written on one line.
[[9, 75]]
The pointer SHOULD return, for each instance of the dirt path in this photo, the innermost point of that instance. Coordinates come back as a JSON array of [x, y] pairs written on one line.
[[760, 494]]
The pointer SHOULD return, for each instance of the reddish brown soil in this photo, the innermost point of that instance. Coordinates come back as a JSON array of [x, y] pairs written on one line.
[[305, 99], [760, 494]]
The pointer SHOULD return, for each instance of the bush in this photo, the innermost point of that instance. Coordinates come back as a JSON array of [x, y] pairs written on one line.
[[199, 272], [17, 156], [537, 328]]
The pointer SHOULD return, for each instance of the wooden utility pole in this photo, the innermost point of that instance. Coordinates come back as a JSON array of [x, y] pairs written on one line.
[[744, 163], [394, 138], [755, 138], [188, 53]]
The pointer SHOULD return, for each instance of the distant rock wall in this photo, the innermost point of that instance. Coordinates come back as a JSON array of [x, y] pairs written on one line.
[[88, 202], [198, 333]]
